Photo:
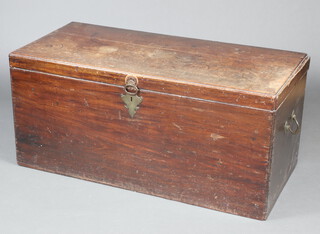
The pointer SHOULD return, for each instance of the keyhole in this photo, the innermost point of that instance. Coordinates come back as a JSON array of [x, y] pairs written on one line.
[[131, 98]]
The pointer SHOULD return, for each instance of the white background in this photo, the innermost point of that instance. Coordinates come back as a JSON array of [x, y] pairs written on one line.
[[32, 201]]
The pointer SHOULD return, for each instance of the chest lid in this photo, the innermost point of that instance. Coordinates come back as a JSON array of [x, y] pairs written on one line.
[[234, 74]]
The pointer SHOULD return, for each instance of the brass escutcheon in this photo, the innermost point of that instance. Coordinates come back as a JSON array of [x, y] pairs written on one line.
[[131, 98]]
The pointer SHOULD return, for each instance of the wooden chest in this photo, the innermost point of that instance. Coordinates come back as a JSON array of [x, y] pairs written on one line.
[[206, 123]]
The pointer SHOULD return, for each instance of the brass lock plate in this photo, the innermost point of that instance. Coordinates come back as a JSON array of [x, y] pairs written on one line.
[[131, 98]]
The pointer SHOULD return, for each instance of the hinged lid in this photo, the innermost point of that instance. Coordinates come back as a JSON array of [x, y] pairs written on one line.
[[228, 73]]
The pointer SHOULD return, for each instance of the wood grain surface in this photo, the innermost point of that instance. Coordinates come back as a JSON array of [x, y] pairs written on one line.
[[285, 147], [242, 75], [209, 131], [199, 152]]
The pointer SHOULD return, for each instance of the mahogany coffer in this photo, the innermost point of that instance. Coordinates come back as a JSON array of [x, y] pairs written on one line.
[[206, 123]]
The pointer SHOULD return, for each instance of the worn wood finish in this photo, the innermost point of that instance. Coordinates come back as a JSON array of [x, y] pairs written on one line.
[[260, 101], [285, 145], [217, 71], [203, 153], [209, 131]]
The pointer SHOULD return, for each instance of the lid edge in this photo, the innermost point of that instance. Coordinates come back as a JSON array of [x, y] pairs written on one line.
[[228, 95]]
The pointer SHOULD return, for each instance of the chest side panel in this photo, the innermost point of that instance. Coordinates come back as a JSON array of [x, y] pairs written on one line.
[[286, 145], [202, 153]]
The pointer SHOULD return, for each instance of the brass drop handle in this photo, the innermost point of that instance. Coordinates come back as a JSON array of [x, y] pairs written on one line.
[[292, 119]]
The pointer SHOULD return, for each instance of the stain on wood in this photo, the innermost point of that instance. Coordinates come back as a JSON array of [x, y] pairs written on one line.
[[218, 71], [209, 131]]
